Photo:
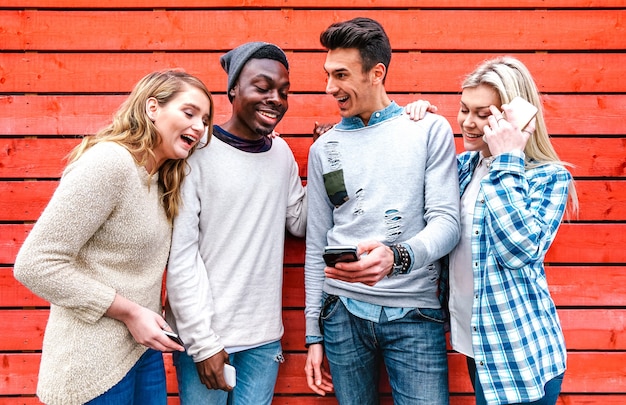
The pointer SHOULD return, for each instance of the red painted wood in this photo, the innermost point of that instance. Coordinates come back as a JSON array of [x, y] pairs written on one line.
[[25, 201], [571, 286], [408, 72], [370, 4], [14, 294], [589, 243], [79, 115], [419, 29], [575, 243], [588, 372], [581, 286], [310, 399], [44, 157], [24, 329], [66, 65], [34, 158]]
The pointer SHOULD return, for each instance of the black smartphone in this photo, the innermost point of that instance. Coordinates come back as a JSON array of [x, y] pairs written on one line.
[[174, 337], [339, 253]]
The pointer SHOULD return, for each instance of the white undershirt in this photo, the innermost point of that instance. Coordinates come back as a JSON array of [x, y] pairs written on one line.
[[461, 275]]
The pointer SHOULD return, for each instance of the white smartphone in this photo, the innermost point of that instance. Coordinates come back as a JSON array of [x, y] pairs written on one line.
[[230, 375], [524, 112]]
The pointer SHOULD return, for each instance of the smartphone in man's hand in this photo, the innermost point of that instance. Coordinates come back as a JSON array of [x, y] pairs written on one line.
[[230, 375], [340, 253]]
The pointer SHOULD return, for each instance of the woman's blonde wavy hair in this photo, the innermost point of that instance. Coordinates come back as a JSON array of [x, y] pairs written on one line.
[[133, 129], [510, 78]]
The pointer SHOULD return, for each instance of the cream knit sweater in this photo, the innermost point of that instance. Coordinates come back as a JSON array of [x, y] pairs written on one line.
[[104, 231]]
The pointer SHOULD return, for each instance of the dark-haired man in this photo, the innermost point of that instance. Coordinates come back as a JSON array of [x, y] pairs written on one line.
[[400, 206], [225, 271]]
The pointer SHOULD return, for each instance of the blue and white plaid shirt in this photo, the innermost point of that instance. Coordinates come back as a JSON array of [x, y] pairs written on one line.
[[516, 334]]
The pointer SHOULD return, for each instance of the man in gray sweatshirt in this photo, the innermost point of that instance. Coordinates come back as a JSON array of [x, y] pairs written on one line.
[[388, 185]]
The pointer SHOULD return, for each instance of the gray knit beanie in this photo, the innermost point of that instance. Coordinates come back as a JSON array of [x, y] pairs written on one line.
[[233, 61]]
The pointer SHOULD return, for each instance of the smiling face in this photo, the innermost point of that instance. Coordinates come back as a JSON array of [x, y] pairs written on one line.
[[259, 99], [355, 91], [473, 114], [180, 123]]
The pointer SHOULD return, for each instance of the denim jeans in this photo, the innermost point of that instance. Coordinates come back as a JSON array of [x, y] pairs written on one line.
[[412, 348], [143, 384], [552, 388], [256, 368]]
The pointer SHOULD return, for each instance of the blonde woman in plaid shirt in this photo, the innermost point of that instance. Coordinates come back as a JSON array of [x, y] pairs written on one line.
[[514, 192]]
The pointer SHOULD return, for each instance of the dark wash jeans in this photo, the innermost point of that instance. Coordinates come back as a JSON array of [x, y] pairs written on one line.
[[412, 348]]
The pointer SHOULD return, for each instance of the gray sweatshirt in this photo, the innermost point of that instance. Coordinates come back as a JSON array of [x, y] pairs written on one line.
[[401, 186]]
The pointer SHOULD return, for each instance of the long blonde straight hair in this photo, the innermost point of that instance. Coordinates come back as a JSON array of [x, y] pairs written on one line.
[[133, 129], [510, 78]]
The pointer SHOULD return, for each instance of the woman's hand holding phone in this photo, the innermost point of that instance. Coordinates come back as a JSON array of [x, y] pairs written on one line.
[[510, 129]]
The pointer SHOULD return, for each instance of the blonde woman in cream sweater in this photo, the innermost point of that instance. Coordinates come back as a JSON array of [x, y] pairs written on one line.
[[98, 251]]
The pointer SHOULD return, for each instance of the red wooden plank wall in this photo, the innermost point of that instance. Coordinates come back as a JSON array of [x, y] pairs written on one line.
[[65, 65]]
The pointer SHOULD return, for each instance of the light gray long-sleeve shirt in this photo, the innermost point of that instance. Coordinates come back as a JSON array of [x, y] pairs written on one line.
[[401, 185], [225, 273]]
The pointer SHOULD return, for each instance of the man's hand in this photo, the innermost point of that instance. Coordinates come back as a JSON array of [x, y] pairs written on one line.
[[319, 129], [317, 376], [211, 372], [418, 109], [374, 264]]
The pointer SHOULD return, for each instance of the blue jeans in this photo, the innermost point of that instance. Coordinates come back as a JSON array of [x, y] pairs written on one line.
[[257, 370], [552, 388], [412, 348], [143, 384]]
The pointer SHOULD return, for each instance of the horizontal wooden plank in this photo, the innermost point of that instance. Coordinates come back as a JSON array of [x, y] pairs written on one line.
[[593, 157], [14, 294], [43, 158], [417, 29], [311, 399], [24, 329], [588, 372], [78, 115], [25, 201], [570, 286], [605, 372], [172, 399], [580, 326], [32, 158], [587, 286], [409, 71], [330, 4], [455, 399], [574, 244], [590, 156], [589, 243], [593, 243]]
